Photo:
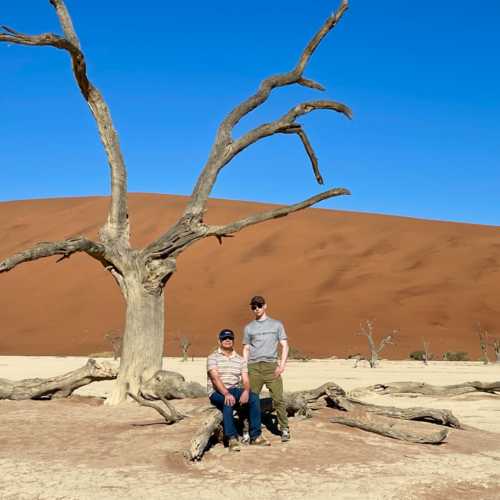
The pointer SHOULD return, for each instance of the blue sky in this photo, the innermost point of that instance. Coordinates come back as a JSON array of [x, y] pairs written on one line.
[[423, 80]]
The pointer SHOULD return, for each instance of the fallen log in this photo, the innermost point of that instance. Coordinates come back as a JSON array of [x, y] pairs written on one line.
[[57, 387], [435, 416], [430, 390], [390, 428], [210, 426]]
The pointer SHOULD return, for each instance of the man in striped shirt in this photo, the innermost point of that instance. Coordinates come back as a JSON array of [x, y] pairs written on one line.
[[226, 371]]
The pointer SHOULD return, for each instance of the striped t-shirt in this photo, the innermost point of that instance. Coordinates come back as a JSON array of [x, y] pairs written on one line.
[[229, 369]]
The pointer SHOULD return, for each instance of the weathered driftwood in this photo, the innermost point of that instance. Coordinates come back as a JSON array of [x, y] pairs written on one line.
[[57, 387], [435, 416], [430, 390], [390, 428]]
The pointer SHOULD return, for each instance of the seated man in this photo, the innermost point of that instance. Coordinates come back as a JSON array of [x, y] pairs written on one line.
[[226, 369]]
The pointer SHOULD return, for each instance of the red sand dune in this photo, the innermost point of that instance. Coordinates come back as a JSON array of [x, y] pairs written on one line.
[[322, 271]]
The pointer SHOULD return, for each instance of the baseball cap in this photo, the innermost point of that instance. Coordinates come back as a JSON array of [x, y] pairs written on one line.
[[226, 333]]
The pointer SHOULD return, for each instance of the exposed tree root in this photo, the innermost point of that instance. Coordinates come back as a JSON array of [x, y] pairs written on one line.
[[171, 416], [57, 387], [430, 390]]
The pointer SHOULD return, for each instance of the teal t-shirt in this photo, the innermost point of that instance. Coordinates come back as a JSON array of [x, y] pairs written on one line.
[[263, 337]]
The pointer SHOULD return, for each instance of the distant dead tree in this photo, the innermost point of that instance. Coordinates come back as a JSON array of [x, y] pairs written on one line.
[[366, 329], [115, 340], [483, 342], [487, 340], [185, 344], [426, 355], [495, 343], [143, 273]]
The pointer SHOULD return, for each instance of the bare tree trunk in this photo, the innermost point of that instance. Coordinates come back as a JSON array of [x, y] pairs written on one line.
[[143, 339]]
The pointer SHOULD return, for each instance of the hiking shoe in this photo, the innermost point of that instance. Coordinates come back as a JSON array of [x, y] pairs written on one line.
[[285, 435], [260, 441], [234, 445]]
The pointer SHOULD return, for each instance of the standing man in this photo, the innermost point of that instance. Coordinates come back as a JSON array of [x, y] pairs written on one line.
[[260, 350], [226, 370]]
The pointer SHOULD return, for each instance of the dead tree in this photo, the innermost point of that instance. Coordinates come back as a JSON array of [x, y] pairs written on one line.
[[483, 342], [495, 343], [366, 330], [185, 345], [426, 354], [142, 273], [57, 387]]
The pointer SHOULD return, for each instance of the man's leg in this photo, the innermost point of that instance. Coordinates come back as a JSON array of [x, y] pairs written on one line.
[[255, 377], [275, 386], [217, 399], [254, 414]]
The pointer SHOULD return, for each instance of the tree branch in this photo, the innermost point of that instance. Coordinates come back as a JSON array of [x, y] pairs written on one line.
[[309, 149], [117, 223], [222, 151], [234, 227], [64, 248]]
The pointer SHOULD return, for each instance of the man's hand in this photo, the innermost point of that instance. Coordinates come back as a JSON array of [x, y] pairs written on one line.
[[279, 370], [229, 399], [244, 397]]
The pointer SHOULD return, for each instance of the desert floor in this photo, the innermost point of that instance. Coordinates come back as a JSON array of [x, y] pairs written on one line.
[[79, 448]]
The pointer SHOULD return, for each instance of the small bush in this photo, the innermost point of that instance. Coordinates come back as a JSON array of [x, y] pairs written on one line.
[[456, 356], [419, 355], [295, 353]]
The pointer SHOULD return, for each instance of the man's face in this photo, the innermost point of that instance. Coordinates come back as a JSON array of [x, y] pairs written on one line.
[[258, 310], [227, 344]]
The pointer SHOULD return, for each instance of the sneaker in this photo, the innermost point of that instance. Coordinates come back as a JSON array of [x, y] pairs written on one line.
[[260, 441], [234, 445], [285, 435], [245, 439]]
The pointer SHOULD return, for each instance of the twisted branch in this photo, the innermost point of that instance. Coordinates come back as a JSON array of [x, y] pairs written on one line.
[[65, 248]]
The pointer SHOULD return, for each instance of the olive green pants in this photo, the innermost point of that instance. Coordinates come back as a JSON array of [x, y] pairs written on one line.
[[262, 373]]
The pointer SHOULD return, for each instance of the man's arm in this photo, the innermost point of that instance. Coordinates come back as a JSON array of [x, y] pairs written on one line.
[[229, 399], [246, 388], [246, 352], [284, 357]]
